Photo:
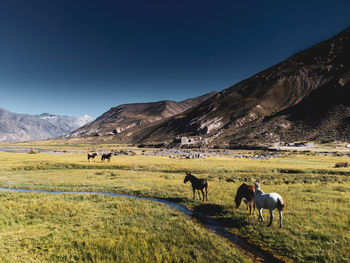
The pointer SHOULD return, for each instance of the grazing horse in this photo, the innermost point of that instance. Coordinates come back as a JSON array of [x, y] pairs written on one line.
[[91, 156], [270, 201], [106, 156], [247, 192], [197, 184]]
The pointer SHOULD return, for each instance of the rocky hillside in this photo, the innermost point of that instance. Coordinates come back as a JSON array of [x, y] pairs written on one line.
[[24, 127], [305, 97], [124, 117]]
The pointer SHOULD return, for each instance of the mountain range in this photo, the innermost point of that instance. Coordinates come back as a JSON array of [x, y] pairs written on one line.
[[124, 117], [25, 127], [305, 97]]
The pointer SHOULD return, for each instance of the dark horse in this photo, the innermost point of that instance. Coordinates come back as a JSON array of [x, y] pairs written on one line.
[[197, 184], [247, 192], [91, 156], [106, 156]]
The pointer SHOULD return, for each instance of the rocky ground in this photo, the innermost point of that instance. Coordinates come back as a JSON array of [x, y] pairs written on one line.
[[199, 154]]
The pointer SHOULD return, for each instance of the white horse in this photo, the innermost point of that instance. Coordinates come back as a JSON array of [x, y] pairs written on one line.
[[270, 201]]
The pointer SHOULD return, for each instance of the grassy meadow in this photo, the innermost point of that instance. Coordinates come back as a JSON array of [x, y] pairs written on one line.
[[78, 228], [316, 220]]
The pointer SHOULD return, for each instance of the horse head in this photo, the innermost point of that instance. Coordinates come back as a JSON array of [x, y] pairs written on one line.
[[239, 195], [257, 185], [187, 178]]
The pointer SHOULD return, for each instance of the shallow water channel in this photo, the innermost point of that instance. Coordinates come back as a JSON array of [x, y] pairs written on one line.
[[22, 150], [210, 222]]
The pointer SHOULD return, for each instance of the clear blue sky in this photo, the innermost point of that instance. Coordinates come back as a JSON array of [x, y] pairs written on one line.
[[75, 57]]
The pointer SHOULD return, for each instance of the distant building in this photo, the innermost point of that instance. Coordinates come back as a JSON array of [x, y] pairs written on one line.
[[184, 140]]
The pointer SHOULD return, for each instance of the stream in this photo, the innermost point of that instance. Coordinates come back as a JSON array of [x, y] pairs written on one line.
[[23, 150], [208, 221]]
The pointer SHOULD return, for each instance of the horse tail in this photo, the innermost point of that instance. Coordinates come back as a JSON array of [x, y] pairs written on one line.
[[280, 204]]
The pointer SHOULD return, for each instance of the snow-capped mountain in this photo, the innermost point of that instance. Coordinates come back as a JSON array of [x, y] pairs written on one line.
[[25, 127]]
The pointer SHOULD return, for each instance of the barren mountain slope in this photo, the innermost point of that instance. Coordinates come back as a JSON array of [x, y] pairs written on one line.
[[304, 97], [126, 116]]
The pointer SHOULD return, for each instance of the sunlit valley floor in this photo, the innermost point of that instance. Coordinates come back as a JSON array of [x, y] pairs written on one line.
[[80, 228]]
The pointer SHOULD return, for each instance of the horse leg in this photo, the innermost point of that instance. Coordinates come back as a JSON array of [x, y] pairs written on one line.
[[194, 194], [199, 195], [250, 208], [203, 195], [261, 219], [206, 194], [271, 217], [280, 212]]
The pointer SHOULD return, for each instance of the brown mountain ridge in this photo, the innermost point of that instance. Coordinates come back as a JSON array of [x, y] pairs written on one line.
[[124, 117], [305, 97]]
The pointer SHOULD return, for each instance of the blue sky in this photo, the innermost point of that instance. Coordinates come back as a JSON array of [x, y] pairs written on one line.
[[75, 57]]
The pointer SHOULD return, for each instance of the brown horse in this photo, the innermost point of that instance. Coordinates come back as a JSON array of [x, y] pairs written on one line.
[[247, 192], [91, 156], [197, 184], [106, 156]]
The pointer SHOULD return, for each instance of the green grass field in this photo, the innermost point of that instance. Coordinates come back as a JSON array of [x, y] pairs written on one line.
[[316, 221], [66, 228]]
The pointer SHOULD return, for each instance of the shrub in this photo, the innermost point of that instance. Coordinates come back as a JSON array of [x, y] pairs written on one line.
[[33, 151], [341, 164]]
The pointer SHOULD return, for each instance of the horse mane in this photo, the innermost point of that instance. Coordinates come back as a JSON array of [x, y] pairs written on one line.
[[243, 186], [251, 187], [247, 187], [190, 175]]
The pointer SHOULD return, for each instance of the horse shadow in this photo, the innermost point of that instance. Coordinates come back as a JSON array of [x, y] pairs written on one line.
[[209, 209], [220, 213], [233, 222], [176, 199]]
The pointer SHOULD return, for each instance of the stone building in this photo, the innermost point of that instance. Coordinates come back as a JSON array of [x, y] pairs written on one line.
[[184, 140]]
